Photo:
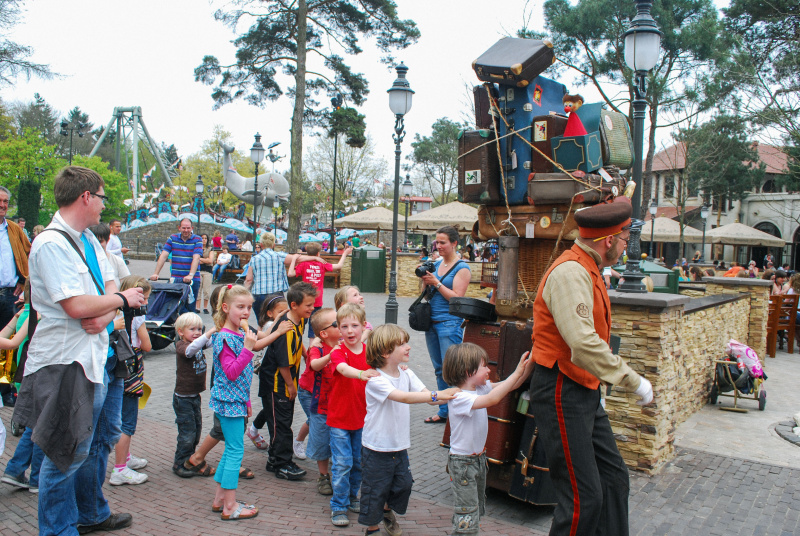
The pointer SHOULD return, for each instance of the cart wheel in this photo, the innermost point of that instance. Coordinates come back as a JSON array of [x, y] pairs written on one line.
[[714, 394], [762, 400], [16, 429]]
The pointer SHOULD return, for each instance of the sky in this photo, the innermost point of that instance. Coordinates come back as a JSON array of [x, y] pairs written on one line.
[[113, 53]]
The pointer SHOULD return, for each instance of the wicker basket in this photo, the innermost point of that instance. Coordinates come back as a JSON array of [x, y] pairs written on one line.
[[535, 258]]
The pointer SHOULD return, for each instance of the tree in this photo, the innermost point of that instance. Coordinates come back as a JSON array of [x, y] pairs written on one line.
[[82, 140], [280, 39], [589, 39], [39, 115], [7, 128], [14, 58], [437, 156], [116, 186]]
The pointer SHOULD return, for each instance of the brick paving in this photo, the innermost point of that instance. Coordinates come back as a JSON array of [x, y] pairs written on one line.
[[704, 490]]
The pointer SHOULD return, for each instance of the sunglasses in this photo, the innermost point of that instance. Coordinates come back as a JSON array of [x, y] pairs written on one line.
[[334, 325]]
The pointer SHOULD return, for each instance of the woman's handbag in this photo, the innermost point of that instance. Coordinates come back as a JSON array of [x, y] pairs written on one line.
[[419, 314]]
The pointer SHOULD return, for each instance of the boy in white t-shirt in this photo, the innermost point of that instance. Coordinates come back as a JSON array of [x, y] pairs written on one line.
[[465, 366], [386, 483]]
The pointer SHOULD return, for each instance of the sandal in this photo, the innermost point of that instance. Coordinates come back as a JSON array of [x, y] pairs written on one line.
[[258, 441], [237, 514], [246, 474], [201, 469], [436, 420], [218, 509]]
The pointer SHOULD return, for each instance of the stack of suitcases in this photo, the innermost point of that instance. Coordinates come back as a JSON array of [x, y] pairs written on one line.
[[514, 165]]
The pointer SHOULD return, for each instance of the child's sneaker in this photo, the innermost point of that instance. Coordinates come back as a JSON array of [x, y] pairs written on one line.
[[126, 476], [324, 485], [390, 524], [355, 505], [339, 519], [20, 481], [299, 449], [257, 439], [33, 489], [136, 463]]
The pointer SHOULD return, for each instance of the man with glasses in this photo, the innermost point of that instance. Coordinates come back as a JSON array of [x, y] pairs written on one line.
[[14, 250], [71, 396], [571, 332], [186, 248]]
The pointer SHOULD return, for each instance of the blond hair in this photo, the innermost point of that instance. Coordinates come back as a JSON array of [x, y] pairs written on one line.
[[317, 320], [340, 298], [351, 310], [135, 281], [227, 295], [188, 320], [382, 342], [462, 361], [267, 240]]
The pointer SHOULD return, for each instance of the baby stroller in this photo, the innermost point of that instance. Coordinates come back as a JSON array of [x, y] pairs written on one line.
[[167, 301], [740, 373]]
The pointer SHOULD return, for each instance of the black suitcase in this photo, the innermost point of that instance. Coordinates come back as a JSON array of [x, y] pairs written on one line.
[[531, 480], [472, 309], [543, 129], [514, 62], [483, 105], [478, 167]]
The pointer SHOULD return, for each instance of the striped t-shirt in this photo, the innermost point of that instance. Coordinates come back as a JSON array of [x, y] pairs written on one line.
[[182, 253]]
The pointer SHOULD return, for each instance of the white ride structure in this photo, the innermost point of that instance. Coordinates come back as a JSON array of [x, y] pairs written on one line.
[[272, 187]]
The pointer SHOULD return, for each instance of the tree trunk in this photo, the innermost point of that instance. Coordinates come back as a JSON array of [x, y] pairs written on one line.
[[296, 160]]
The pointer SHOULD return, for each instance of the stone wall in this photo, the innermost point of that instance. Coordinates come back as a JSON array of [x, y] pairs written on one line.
[[408, 284], [674, 349], [758, 291]]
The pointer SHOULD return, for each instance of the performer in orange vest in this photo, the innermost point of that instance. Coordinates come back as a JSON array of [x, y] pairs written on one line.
[[571, 329]]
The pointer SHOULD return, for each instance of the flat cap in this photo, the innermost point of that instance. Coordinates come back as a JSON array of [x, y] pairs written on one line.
[[604, 219]]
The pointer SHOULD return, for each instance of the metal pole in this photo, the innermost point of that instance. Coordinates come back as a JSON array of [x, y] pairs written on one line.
[[197, 202], [703, 249], [255, 197], [652, 229], [71, 132], [333, 202], [391, 303], [405, 240]]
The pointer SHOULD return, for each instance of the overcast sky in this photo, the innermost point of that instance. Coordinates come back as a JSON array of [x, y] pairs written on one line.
[[113, 53]]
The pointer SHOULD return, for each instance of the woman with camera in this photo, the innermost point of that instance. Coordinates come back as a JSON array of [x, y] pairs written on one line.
[[447, 278]]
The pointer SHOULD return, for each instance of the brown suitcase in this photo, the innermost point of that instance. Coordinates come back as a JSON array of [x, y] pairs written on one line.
[[543, 129], [540, 221], [483, 105], [515, 340], [478, 167], [502, 440], [514, 61], [556, 188]]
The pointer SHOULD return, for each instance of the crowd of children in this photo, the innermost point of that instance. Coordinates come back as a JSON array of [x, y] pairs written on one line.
[[355, 391]]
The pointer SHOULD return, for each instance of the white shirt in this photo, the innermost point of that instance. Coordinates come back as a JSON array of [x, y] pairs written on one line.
[[58, 273], [387, 426], [468, 427], [224, 258], [114, 246], [8, 268], [118, 265]]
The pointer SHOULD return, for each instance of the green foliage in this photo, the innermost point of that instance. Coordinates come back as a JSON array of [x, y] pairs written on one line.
[[7, 128], [349, 122], [437, 158], [28, 196], [39, 115], [117, 188]]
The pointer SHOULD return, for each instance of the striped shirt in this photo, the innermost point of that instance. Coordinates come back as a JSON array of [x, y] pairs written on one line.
[[285, 352], [269, 272], [182, 253]]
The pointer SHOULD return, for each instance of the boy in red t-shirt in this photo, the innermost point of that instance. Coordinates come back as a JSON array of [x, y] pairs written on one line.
[[314, 272], [347, 407]]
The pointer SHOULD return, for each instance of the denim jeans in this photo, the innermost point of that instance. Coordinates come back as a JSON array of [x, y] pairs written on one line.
[[130, 414], [27, 454], [439, 338], [345, 467], [218, 268], [58, 509], [189, 419]]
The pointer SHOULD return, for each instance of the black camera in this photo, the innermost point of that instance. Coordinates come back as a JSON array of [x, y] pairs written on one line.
[[137, 311], [426, 267]]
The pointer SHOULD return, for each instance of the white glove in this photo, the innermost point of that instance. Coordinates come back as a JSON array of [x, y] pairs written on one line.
[[645, 392]]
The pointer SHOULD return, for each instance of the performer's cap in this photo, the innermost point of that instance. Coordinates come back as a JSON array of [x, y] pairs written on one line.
[[605, 219]]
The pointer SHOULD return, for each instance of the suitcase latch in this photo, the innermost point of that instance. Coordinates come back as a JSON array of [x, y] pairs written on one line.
[[557, 218], [490, 332]]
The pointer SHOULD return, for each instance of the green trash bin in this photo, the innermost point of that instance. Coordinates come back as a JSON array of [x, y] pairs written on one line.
[[664, 279], [368, 269]]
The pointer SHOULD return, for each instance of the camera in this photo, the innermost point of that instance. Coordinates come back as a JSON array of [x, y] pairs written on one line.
[[426, 267], [137, 311]]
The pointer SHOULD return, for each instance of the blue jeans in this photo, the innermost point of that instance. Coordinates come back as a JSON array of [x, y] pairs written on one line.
[[27, 454], [190, 425], [130, 414], [345, 467], [439, 338], [218, 268], [227, 474]]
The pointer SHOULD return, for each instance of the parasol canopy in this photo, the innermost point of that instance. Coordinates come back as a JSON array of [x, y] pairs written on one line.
[[372, 218], [669, 230], [459, 215], [738, 234]]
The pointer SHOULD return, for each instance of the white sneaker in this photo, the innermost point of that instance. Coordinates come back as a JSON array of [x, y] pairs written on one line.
[[299, 449], [127, 476], [136, 463]]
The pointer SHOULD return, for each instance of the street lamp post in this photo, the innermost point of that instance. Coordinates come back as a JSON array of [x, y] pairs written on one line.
[[256, 155], [67, 127], [703, 214], [336, 103], [653, 212], [400, 97], [407, 188], [39, 172], [199, 187], [642, 47]]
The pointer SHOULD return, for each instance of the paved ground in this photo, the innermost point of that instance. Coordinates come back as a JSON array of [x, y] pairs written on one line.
[[731, 475]]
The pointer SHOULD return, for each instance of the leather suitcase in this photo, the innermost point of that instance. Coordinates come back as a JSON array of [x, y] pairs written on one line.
[[515, 340], [540, 221], [554, 188], [543, 130], [615, 139], [502, 441], [478, 167], [514, 62], [576, 153], [531, 480], [472, 309], [518, 107], [483, 105]]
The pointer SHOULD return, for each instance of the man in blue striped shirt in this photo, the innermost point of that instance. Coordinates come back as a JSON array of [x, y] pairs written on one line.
[[186, 248]]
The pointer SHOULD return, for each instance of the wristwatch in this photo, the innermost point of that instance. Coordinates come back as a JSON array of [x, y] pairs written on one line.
[[439, 284]]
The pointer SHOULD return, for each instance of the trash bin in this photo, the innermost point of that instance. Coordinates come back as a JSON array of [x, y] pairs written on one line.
[[368, 269], [664, 279]]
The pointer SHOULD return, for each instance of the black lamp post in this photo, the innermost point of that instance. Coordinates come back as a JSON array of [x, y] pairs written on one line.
[[704, 215], [336, 103], [653, 212], [642, 47], [67, 127], [400, 97], [256, 155], [199, 187], [39, 172], [407, 188]]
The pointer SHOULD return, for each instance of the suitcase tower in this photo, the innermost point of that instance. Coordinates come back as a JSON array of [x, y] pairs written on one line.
[[530, 167]]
